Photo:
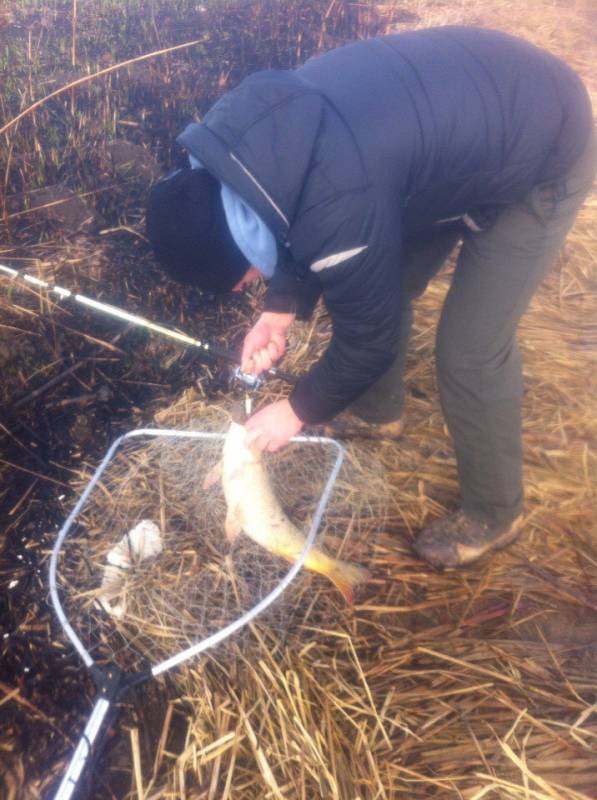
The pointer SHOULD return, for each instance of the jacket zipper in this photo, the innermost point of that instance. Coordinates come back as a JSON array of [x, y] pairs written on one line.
[[261, 189]]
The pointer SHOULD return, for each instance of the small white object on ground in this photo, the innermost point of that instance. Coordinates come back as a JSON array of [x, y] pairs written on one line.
[[141, 542]]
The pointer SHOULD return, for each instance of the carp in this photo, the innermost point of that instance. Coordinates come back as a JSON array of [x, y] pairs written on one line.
[[253, 508]]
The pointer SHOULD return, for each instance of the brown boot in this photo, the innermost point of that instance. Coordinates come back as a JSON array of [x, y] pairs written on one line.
[[349, 426], [457, 540]]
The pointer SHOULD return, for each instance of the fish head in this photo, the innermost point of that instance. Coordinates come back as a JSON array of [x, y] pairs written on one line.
[[237, 453]]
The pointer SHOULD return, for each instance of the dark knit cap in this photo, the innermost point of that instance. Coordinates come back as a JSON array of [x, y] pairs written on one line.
[[186, 225]]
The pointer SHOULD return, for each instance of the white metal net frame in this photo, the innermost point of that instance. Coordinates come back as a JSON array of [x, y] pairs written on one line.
[[111, 683]]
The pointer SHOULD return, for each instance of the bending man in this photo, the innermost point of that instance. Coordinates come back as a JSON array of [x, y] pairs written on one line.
[[353, 178]]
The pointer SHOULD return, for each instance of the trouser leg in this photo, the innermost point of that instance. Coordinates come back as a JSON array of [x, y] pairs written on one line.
[[478, 363], [421, 259]]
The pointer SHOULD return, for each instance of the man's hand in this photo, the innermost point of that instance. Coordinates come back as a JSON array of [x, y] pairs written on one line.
[[266, 342], [273, 426]]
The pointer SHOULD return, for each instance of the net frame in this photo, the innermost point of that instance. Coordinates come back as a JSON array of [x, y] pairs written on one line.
[[112, 682]]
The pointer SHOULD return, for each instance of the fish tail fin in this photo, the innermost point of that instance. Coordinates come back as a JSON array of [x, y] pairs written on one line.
[[345, 576]]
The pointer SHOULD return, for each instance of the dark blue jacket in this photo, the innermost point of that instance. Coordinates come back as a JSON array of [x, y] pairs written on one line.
[[376, 142]]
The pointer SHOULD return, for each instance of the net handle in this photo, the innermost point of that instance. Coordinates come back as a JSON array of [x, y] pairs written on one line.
[[228, 630], [79, 758]]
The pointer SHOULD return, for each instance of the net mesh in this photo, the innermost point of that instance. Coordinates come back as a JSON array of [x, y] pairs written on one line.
[[135, 605]]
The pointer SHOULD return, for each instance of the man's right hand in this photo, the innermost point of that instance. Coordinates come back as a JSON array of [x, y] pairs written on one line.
[[266, 342]]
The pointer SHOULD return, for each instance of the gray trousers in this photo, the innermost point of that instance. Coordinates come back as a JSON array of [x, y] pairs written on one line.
[[477, 360]]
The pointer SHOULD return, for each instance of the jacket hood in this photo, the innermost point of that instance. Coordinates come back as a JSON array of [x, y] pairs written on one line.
[[259, 140]]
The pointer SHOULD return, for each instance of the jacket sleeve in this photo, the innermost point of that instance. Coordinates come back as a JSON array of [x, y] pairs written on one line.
[[290, 292], [362, 293]]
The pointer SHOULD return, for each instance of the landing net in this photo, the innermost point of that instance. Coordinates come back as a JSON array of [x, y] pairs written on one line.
[[146, 569]]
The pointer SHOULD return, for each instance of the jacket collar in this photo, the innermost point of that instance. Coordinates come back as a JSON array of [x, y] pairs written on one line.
[[259, 139]]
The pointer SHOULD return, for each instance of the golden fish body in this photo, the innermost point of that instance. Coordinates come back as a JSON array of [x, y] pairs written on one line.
[[252, 507]]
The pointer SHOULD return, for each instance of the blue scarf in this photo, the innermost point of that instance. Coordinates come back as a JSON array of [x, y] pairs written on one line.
[[250, 233]]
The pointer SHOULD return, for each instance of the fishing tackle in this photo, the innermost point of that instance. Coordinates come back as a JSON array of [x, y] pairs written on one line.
[[208, 351]]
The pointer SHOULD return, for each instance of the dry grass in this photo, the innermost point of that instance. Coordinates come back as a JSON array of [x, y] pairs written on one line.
[[478, 683], [473, 684]]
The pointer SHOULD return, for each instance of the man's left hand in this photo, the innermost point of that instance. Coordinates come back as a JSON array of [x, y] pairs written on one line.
[[273, 426]]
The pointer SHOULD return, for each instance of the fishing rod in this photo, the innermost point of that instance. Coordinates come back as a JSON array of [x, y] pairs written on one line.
[[208, 350]]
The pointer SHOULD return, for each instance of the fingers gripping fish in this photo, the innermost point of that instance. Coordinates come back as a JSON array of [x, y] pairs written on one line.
[[253, 508]]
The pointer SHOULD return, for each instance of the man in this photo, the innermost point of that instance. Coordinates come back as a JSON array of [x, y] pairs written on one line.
[[352, 178]]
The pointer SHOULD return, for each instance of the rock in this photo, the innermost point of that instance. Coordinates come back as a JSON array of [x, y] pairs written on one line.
[[133, 160], [60, 205]]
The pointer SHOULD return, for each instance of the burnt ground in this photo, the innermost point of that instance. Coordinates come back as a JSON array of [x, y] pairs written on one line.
[[72, 383]]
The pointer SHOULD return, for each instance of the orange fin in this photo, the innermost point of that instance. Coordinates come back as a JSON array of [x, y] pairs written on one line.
[[345, 576]]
